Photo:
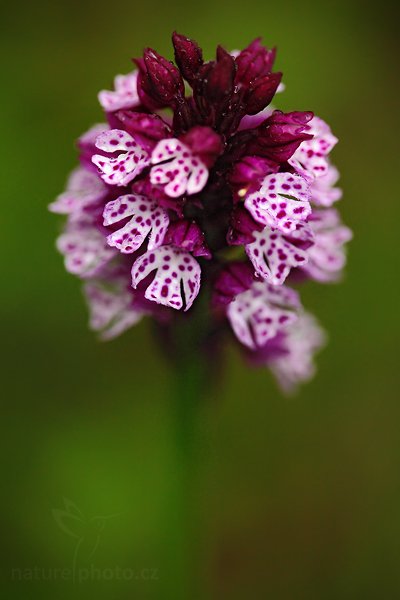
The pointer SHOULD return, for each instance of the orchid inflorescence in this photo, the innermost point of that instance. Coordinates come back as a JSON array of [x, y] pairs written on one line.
[[212, 189]]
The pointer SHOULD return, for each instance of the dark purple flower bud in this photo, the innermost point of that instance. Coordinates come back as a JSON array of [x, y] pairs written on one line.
[[199, 101], [147, 129], [159, 79], [253, 62], [188, 235], [188, 56], [233, 279], [242, 227], [142, 85], [281, 134], [219, 84], [261, 92], [204, 143]]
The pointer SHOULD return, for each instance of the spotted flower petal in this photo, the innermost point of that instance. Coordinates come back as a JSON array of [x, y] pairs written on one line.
[[310, 159], [177, 169], [112, 307], [84, 188], [273, 255], [259, 313], [125, 94], [119, 170], [327, 256], [84, 248], [147, 218], [323, 192], [177, 279], [295, 364], [87, 145], [281, 202]]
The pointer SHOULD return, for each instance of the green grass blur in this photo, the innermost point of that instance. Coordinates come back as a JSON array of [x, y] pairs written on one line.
[[293, 498]]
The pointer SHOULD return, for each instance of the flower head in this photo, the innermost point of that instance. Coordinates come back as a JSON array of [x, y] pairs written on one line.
[[196, 184]]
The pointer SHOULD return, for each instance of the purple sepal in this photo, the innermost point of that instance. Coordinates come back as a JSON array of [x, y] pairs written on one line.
[[204, 143], [261, 92], [233, 279], [253, 121], [144, 187], [188, 235], [242, 227], [248, 174], [145, 128], [281, 134]]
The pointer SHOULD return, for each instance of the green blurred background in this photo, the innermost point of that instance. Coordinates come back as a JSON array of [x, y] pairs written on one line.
[[289, 498]]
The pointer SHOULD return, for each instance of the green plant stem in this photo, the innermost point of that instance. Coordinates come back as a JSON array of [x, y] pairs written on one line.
[[188, 392]]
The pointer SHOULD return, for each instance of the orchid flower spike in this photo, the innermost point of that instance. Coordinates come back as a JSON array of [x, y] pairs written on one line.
[[196, 186]]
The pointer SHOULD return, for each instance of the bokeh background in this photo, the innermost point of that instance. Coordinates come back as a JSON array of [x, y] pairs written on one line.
[[288, 498]]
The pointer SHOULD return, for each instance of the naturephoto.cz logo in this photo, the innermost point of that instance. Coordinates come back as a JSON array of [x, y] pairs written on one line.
[[82, 574], [87, 533]]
